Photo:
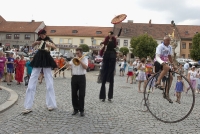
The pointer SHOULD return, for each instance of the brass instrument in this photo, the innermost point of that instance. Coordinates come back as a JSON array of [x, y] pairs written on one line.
[[76, 60]]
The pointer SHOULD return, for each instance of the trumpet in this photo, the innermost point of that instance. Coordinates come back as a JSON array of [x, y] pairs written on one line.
[[76, 60]]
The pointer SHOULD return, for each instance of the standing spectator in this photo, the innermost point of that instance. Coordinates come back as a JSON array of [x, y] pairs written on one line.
[[122, 67], [179, 88], [10, 68], [130, 72], [2, 65], [57, 63], [20, 64], [29, 68], [192, 75], [62, 63], [180, 69], [141, 75], [186, 68]]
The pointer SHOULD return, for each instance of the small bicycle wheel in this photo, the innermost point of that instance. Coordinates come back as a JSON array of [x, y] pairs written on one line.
[[160, 107]]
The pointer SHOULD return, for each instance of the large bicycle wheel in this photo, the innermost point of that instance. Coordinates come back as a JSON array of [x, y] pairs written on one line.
[[161, 109]]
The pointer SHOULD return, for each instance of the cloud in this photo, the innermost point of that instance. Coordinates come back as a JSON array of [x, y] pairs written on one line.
[[179, 11]]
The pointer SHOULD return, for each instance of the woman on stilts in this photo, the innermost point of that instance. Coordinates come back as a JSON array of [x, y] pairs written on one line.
[[41, 60], [109, 60]]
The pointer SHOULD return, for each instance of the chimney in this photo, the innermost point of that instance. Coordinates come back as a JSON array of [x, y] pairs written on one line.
[[150, 23], [130, 21], [32, 20]]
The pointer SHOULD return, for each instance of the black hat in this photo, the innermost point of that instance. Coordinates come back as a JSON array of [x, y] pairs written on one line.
[[110, 33], [42, 31]]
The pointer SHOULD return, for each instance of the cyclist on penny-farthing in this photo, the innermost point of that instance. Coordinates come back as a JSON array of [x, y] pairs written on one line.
[[163, 56]]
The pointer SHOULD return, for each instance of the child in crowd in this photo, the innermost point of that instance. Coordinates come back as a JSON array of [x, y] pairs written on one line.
[[130, 72], [28, 67], [122, 67], [179, 88], [149, 73]]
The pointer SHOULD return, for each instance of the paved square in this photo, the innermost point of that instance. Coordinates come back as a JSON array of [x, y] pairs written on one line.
[[122, 116]]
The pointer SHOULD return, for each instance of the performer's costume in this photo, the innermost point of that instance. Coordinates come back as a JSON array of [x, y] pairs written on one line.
[[108, 68], [41, 60]]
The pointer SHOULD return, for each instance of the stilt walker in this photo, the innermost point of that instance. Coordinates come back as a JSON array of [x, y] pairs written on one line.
[[109, 60], [41, 60]]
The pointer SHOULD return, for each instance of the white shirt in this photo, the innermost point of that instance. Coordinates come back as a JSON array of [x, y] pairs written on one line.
[[164, 51], [193, 75], [186, 66], [79, 70]]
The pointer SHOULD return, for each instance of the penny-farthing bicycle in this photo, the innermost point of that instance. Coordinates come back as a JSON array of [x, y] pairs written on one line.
[[160, 108]]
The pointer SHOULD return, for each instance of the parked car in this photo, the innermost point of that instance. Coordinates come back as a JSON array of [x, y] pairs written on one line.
[[194, 63], [68, 56], [55, 53], [91, 65], [98, 59], [181, 61], [26, 56]]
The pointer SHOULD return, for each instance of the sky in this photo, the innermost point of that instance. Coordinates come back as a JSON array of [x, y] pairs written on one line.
[[101, 12]]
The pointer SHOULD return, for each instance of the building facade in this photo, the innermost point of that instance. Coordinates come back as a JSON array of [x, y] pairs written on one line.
[[19, 34], [68, 38]]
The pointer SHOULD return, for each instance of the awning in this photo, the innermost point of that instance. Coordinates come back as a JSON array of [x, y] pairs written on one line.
[[66, 46], [7, 44], [96, 47]]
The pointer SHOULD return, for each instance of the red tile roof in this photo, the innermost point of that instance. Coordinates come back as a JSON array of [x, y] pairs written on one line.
[[13, 26], [82, 31], [157, 31], [188, 31]]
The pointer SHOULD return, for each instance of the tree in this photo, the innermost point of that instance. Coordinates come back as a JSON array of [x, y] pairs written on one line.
[[124, 50], [84, 47], [195, 51], [143, 46]]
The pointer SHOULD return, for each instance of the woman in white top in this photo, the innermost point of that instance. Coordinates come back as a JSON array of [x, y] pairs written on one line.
[[141, 76], [192, 75]]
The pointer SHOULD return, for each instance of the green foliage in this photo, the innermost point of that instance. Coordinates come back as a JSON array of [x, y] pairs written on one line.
[[143, 46], [124, 50], [195, 51], [85, 47]]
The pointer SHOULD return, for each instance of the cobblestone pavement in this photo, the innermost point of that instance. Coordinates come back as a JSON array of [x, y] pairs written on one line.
[[122, 116], [4, 95]]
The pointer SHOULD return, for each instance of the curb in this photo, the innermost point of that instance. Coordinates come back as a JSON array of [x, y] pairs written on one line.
[[10, 101]]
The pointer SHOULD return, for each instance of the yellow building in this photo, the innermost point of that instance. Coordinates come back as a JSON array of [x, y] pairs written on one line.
[[70, 37]]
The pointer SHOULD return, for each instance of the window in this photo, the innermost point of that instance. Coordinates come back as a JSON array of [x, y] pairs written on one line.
[[16, 36], [8, 36], [183, 55], [61, 41], [125, 42], [183, 45], [98, 32], [74, 31], [81, 41], [53, 31], [188, 56], [94, 42], [27, 36], [186, 32], [69, 40], [190, 45]]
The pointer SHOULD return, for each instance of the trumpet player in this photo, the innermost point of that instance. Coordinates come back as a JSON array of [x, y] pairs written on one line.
[[78, 81], [41, 60]]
